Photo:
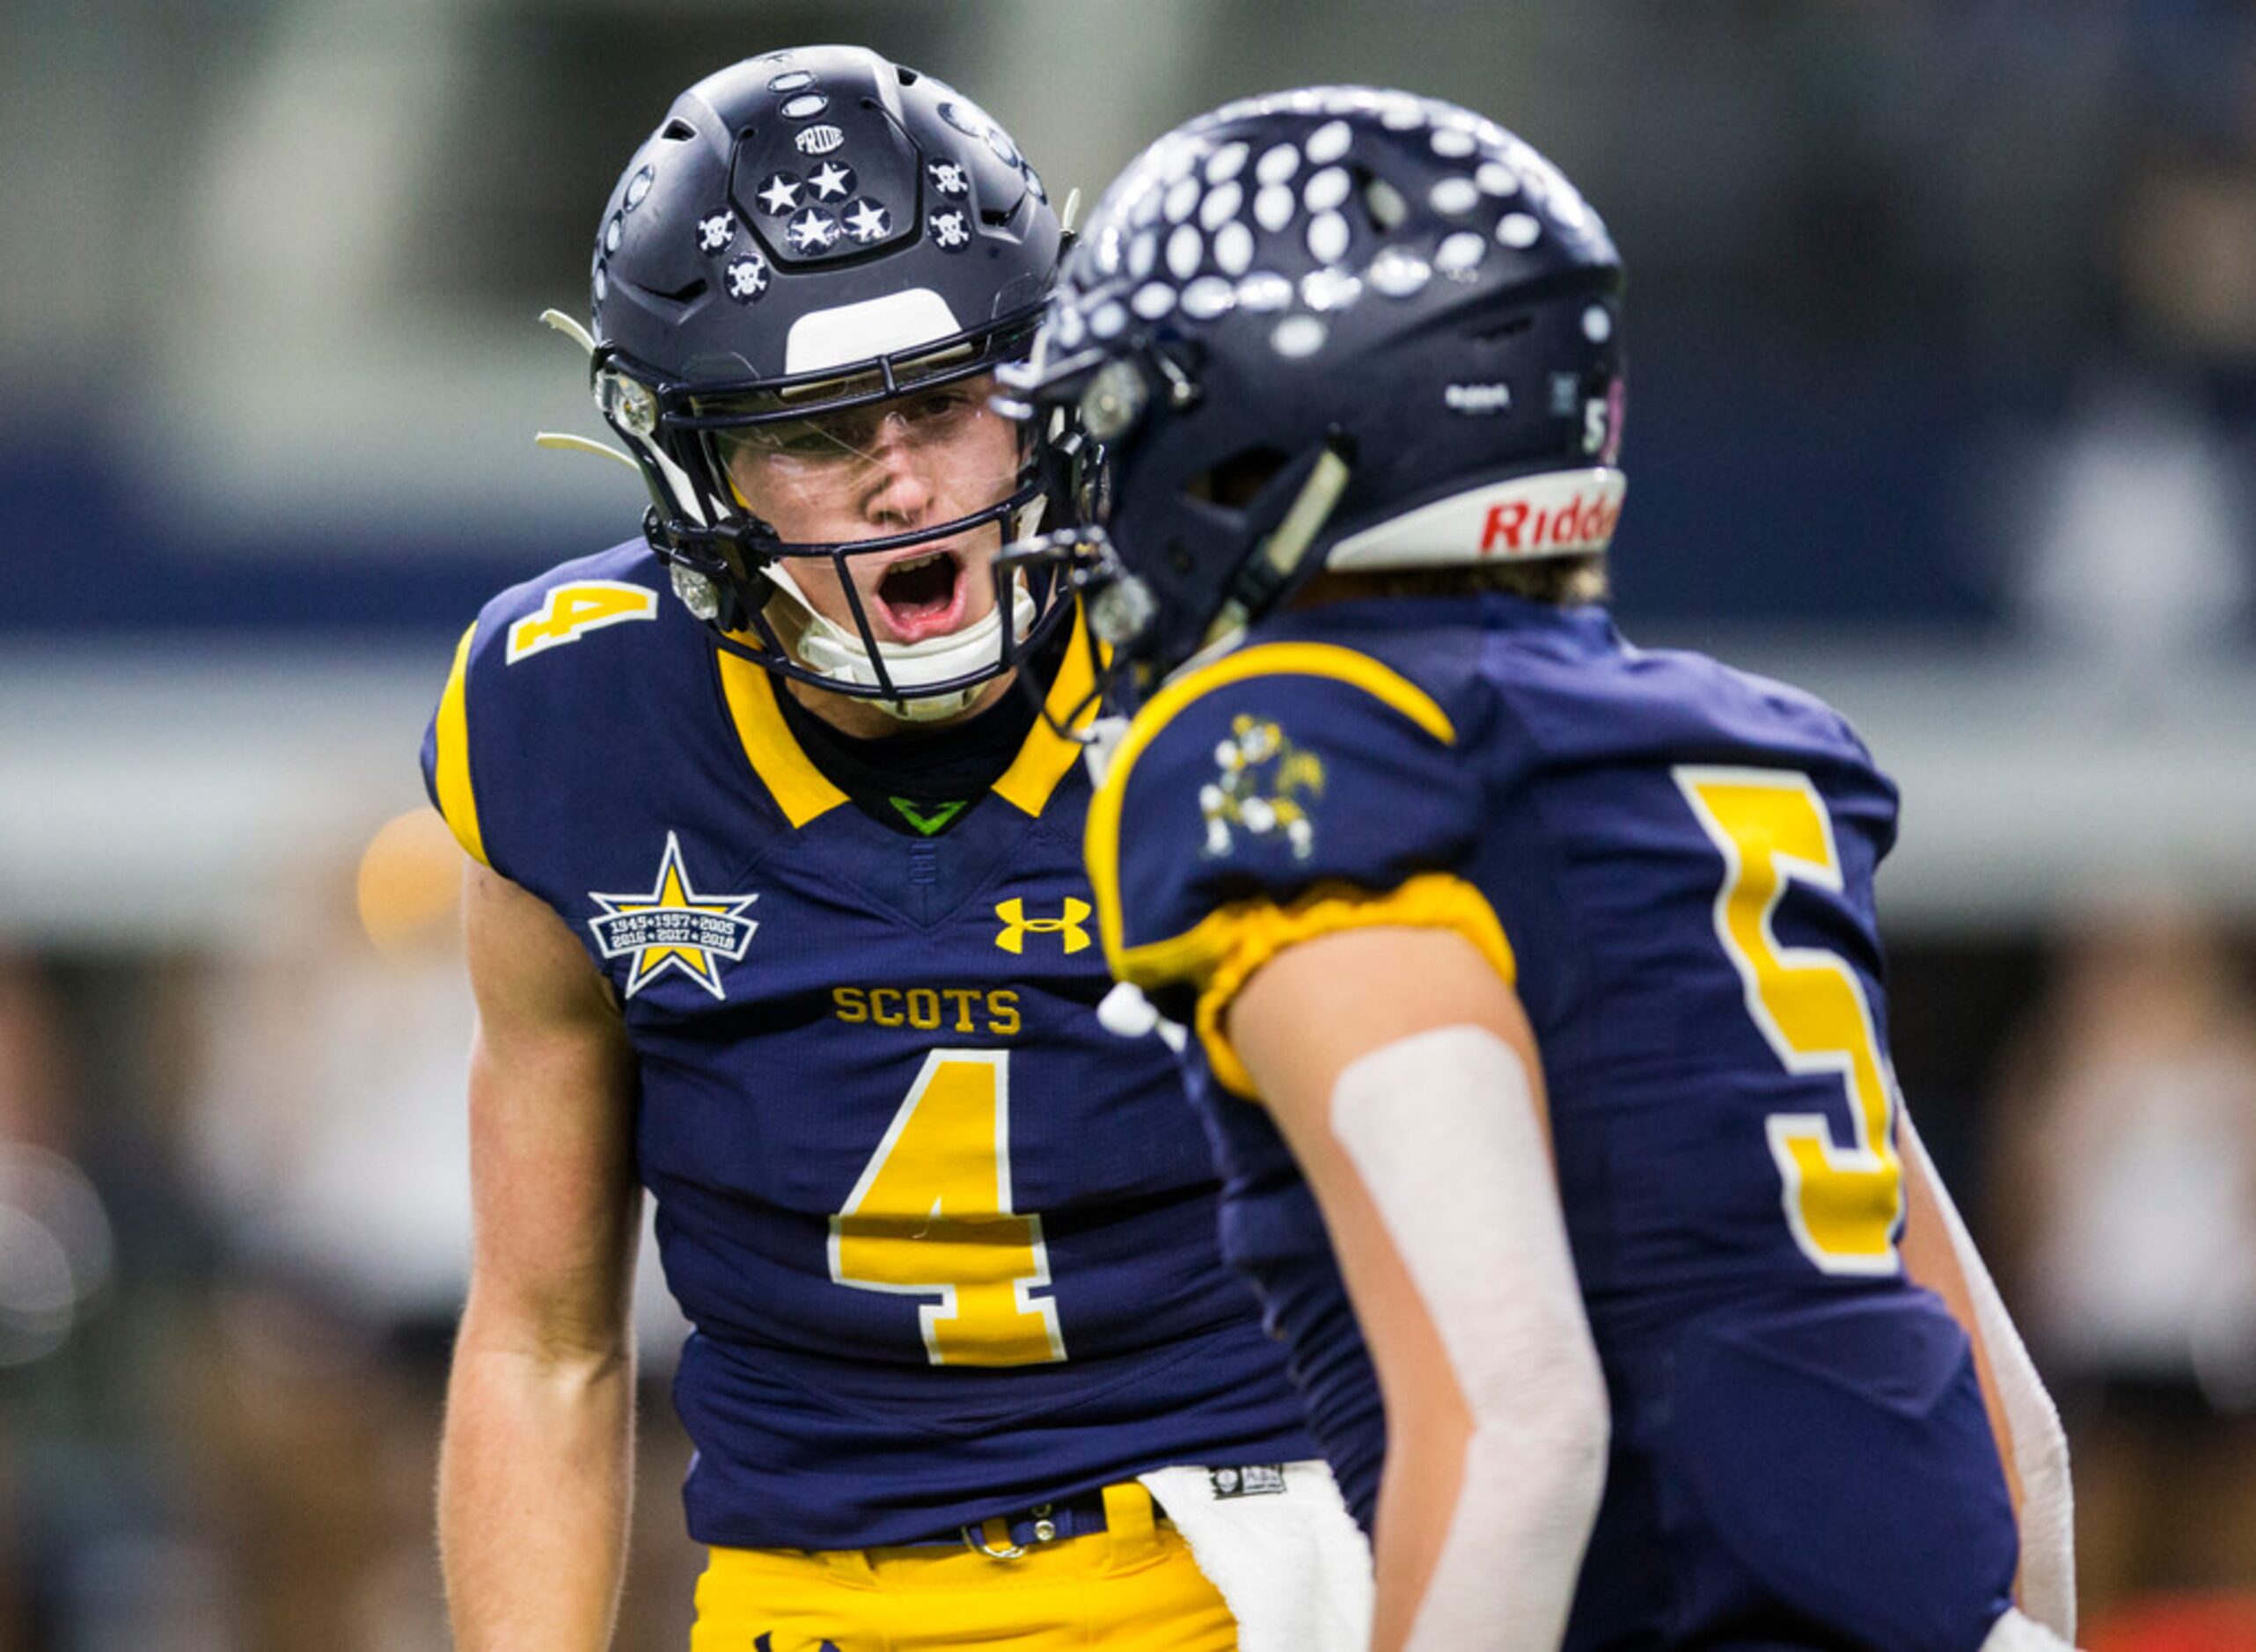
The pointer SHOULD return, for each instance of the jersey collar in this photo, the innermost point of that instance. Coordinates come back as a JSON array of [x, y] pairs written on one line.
[[1047, 755], [804, 792]]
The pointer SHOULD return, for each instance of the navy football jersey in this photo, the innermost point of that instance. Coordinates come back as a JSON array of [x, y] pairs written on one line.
[[1672, 863], [947, 1246]]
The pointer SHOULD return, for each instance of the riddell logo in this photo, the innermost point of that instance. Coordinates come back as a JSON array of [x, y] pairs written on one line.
[[1581, 522], [1550, 514]]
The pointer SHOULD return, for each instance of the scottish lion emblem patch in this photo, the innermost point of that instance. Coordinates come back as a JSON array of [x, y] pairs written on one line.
[[1265, 787]]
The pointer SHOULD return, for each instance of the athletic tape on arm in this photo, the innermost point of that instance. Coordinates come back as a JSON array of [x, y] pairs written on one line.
[[1442, 1129], [2039, 1445], [2018, 1632]]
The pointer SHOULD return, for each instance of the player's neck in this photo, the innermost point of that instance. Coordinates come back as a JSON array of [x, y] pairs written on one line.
[[865, 719]]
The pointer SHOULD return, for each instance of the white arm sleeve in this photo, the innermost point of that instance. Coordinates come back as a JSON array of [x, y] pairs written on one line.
[[1442, 1129], [2039, 1445]]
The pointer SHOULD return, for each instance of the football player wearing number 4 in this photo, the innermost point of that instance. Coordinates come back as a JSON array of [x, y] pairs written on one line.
[[1536, 973], [776, 906]]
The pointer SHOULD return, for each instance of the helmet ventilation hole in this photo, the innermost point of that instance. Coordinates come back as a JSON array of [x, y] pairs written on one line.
[[681, 295], [1511, 326], [1384, 202], [1235, 481]]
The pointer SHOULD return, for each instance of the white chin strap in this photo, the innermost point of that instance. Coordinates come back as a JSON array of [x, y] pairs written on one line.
[[833, 650]]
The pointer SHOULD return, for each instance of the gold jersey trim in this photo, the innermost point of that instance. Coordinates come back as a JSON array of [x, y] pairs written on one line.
[[457, 801], [1222, 953], [799, 789], [804, 792], [1269, 659], [1048, 756]]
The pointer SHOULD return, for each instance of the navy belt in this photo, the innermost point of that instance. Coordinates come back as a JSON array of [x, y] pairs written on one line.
[[1041, 1523]]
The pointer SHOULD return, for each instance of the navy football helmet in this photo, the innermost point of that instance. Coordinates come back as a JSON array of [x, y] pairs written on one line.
[[1333, 328], [819, 253]]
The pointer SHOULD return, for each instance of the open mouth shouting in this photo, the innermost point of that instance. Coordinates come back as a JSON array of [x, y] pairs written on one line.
[[920, 596]]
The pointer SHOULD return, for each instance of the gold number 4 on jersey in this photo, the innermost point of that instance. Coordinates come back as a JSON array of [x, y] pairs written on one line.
[[570, 611], [932, 1217]]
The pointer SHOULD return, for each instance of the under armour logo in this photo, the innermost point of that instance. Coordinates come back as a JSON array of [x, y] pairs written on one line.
[[764, 1642], [1017, 924]]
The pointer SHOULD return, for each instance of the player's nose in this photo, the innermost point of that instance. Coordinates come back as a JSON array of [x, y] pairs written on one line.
[[900, 487]]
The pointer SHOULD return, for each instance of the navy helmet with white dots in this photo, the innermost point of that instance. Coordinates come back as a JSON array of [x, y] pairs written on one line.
[[1333, 328], [807, 233]]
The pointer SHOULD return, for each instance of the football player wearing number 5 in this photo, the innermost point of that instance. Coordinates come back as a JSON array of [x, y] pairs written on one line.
[[1535, 972], [776, 909]]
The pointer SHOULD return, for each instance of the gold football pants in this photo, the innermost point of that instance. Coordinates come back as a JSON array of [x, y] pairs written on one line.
[[1132, 1586]]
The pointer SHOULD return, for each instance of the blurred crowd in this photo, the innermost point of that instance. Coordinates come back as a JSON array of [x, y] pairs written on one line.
[[234, 1231]]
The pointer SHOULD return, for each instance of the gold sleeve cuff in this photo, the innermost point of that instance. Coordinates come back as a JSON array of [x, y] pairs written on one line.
[[1222, 954]]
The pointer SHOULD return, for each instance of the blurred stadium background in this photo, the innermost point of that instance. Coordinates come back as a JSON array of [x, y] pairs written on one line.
[[1943, 394]]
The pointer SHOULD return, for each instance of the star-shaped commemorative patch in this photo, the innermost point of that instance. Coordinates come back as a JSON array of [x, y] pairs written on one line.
[[674, 926]]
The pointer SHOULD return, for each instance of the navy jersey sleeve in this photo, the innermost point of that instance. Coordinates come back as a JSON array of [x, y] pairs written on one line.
[[496, 729], [1289, 790]]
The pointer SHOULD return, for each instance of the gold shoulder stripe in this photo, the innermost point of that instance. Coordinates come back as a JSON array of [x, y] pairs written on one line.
[[799, 789], [1268, 659], [1048, 756], [1223, 952], [457, 803]]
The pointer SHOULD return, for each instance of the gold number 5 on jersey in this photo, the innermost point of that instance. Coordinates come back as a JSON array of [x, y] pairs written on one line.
[[1844, 1204]]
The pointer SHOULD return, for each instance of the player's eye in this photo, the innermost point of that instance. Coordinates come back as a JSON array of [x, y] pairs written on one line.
[[939, 409], [806, 439], [812, 441]]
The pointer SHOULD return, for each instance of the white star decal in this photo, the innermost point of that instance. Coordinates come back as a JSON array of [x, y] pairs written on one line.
[[867, 221], [832, 181], [813, 230], [781, 194]]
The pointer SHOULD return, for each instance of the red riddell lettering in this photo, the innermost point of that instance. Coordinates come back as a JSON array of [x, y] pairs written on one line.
[[1579, 524], [1504, 524]]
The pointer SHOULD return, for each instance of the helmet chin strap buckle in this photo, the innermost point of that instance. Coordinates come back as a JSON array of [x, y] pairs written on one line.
[[698, 594]]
